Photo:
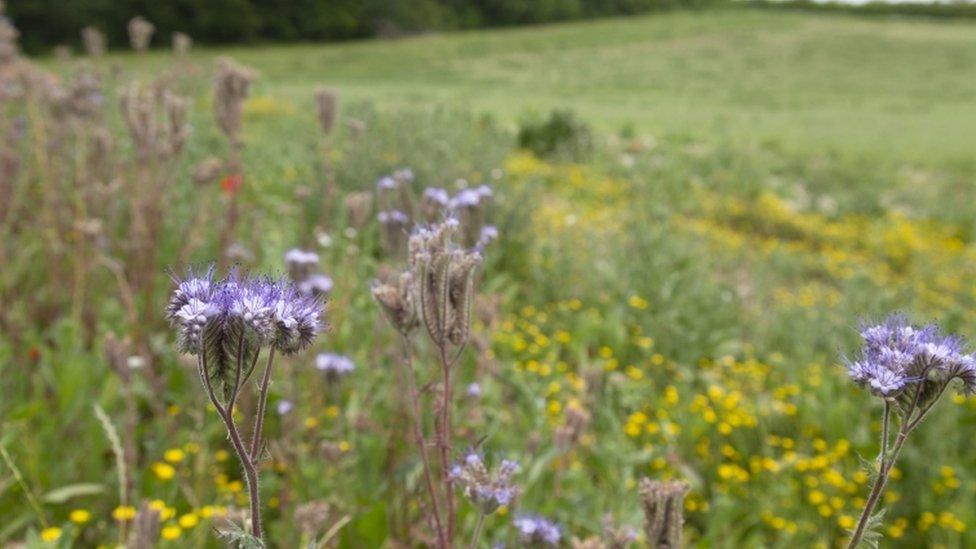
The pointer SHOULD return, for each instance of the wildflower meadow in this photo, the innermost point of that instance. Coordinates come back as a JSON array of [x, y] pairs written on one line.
[[692, 278]]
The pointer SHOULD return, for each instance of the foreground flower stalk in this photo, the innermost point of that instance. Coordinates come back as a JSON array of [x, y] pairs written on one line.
[[909, 368], [436, 292], [226, 324]]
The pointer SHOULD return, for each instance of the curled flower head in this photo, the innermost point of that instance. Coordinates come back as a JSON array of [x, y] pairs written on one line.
[[296, 320], [227, 322], [316, 285], [537, 531], [487, 490], [898, 358], [333, 365]]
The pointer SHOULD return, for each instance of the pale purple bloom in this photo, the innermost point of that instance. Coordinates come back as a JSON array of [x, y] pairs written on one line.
[[221, 315], [487, 490], [285, 407], [334, 365], [386, 183], [897, 356], [392, 216], [316, 284], [405, 175], [537, 530], [467, 198], [300, 258], [473, 390], [437, 195]]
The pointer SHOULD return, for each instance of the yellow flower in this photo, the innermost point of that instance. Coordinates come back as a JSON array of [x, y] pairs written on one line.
[[174, 455], [171, 532], [51, 534], [124, 512], [164, 471], [332, 412], [79, 516], [189, 520], [344, 446]]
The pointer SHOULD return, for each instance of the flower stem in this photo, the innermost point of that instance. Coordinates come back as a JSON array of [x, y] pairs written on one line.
[[477, 531], [445, 440], [262, 406], [418, 430]]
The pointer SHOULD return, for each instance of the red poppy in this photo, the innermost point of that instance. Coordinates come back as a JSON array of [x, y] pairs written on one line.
[[232, 183]]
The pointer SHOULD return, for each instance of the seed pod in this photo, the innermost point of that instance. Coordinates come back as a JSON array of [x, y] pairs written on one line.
[[663, 503], [140, 33], [327, 103], [95, 43], [181, 44]]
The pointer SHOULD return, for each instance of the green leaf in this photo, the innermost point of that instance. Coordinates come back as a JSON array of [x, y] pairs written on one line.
[[65, 493]]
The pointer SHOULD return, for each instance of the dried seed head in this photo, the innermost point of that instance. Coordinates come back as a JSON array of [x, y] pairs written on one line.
[[181, 44], [445, 283], [145, 528], [311, 518], [663, 503], [231, 85], [95, 42], [208, 170], [157, 122], [617, 537], [140, 33], [356, 127], [396, 301], [327, 103], [9, 50], [574, 425], [358, 207], [62, 53]]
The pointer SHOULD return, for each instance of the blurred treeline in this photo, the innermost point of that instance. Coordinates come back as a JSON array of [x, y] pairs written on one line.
[[45, 23]]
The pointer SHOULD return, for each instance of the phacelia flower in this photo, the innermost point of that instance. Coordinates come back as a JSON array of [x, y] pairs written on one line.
[[333, 365], [897, 356], [487, 490], [230, 320], [537, 531]]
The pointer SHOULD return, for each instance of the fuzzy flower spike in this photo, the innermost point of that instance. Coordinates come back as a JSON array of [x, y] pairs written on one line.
[[226, 324], [909, 367]]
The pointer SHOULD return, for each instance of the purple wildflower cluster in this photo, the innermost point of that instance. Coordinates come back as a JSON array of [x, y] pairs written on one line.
[[487, 490], [215, 317], [471, 198], [302, 267], [897, 356], [334, 366], [534, 530]]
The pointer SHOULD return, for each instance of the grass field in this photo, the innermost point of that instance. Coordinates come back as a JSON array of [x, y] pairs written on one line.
[[674, 304], [809, 82]]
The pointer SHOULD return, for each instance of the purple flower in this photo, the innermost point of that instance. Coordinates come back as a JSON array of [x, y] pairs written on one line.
[[404, 174], [487, 490], [285, 407], [897, 356], [296, 320], [467, 198], [333, 365], [534, 530], [436, 195], [300, 258], [473, 391], [392, 216], [386, 183], [317, 284]]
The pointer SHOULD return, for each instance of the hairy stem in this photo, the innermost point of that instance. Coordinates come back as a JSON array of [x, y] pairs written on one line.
[[477, 531], [445, 440], [418, 432], [262, 406]]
